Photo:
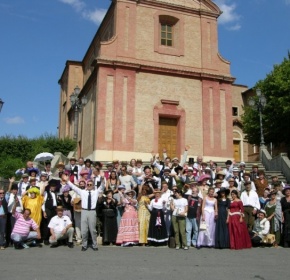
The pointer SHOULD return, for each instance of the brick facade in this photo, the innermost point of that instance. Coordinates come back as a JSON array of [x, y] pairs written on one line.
[[131, 80]]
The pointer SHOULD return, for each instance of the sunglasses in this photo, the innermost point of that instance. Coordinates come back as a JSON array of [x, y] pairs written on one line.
[[89, 184], [1, 192]]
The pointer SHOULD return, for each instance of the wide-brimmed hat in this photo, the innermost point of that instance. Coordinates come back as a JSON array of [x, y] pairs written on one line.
[[263, 211], [228, 162], [88, 160], [60, 164], [203, 177], [32, 170], [225, 190], [287, 187], [25, 175], [130, 191], [178, 168], [32, 179], [273, 192], [204, 163], [242, 163], [236, 169], [34, 190], [221, 173], [65, 188], [231, 179], [43, 174], [218, 181], [175, 158], [72, 158], [189, 169], [166, 168], [157, 191]]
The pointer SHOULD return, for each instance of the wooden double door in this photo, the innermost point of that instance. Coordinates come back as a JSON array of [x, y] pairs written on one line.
[[168, 136]]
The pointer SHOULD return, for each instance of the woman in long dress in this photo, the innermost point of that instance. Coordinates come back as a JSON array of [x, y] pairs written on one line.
[[109, 218], [143, 214], [222, 239], [34, 203], [157, 233], [206, 238], [128, 233], [274, 216], [239, 235], [285, 203]]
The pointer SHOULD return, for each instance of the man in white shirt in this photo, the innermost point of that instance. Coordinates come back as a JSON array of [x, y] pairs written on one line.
[[60, 229], [127, 180], [261, 228], [23, 184], [89, 198], [167, 197], [251, 204]]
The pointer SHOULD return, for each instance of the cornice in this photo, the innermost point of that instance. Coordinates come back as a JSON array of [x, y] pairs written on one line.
[[216, 12], [161, 69]]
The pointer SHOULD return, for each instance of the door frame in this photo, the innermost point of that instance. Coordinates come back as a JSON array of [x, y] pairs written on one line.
[[240, 139]]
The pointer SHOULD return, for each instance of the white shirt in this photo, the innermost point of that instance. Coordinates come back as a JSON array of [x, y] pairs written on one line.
[[53, 195], [167, 196], [127, 181], [179, 204], [252, 199], [58, 224], [157, 205], [11, 202], [84, 194]]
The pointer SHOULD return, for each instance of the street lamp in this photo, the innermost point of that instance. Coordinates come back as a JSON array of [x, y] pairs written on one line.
[[260, 103], [1, 104], [77, 103]]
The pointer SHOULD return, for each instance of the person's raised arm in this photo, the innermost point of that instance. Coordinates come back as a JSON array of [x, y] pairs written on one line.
[[11, 181]]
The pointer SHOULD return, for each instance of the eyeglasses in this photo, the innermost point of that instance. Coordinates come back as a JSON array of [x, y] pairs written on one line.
[[89, 184]]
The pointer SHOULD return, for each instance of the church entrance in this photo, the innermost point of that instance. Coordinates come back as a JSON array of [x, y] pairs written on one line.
[[237, 150], [167, 136]]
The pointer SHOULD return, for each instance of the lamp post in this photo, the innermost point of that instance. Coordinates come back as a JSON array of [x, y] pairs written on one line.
[[260, 103], [1, 104], [76, 104]]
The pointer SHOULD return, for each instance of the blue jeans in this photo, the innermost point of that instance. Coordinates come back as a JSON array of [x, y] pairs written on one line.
[[20, 238], [191, 226]]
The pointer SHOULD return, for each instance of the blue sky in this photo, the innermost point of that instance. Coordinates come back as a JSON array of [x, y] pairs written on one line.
[[38, 36]]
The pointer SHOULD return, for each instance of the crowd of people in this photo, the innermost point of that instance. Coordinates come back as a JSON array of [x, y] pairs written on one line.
[[168, 202]]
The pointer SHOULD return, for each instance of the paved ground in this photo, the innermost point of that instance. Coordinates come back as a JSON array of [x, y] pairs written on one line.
[[144, 263]]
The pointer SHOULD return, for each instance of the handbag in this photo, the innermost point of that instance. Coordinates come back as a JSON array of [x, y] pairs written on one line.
[[203, 226], [269, 238]]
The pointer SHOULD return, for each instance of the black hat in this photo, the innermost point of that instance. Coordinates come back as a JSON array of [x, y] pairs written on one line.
[[177, 168], [228, 162], [14, 186], [191, 160], [225, 190], [88, 160]]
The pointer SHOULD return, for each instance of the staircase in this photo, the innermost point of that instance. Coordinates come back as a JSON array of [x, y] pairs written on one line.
[[268, 173]]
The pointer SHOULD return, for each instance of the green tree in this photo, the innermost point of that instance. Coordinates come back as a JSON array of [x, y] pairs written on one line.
[[276, 114], [16, 151]]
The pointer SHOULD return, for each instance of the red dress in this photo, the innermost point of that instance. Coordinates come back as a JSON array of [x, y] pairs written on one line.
[[239, 235]]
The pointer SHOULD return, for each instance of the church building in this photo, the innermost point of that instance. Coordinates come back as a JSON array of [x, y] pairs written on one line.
[[153, 78]]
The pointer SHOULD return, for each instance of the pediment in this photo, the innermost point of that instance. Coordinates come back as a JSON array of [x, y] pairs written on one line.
[[205, 5]]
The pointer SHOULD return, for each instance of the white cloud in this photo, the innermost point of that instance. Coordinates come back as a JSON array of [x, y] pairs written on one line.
[[229, 15], [79, 6], [95, 16], [14, 120]]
